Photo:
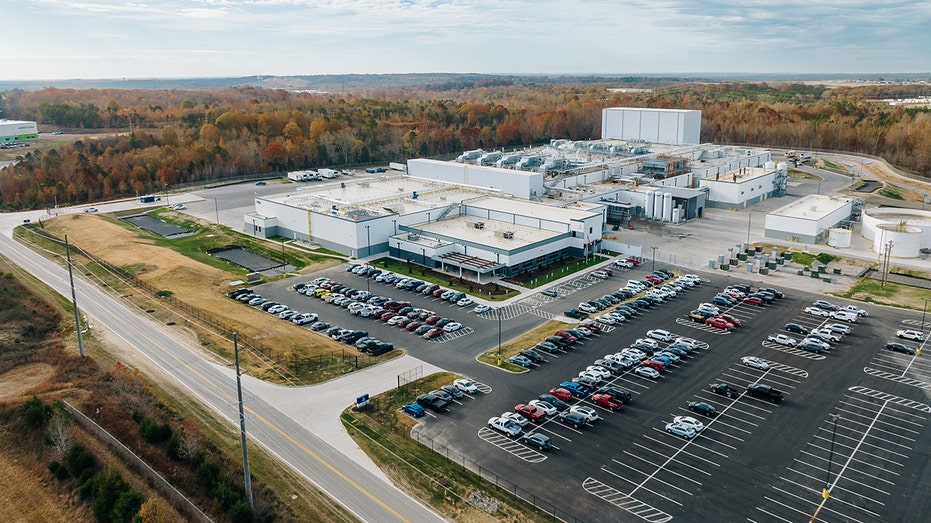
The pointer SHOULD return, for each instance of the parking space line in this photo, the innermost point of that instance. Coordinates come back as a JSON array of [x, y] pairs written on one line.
[[886, 396], [645, 489], [820, 469], [793, 509], [510, 446], [771, 515], [886, 432], [847, 519], [696, 456], [860, 461], [898, 419], [848, 446], [705, 472], [839, 500], [659, 480], [842, 436], [625, 502], [898, 379]]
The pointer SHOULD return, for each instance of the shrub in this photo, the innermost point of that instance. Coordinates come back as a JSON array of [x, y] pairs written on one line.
[[58, 470], [81, 464], [241, 513], [114, 500], [34, 413], [154, 432]]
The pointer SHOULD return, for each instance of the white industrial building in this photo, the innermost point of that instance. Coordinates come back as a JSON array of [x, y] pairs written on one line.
[[808, 219], [17, 130], [746, 185], [669, 126], [432, 223], [909, 230]]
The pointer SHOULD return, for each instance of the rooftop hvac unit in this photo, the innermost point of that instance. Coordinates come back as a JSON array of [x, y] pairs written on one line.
[[507, 235], [413, 236], [479, 225]]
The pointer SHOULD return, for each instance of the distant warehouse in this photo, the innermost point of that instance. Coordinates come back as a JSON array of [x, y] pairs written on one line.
[[16, 130]]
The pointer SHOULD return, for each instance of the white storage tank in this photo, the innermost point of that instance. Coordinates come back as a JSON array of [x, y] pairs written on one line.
[[677, 215], [839, 237], [667, 207], [648, 205], [906, 240], [770, 165], [657, 205], [782, 166]]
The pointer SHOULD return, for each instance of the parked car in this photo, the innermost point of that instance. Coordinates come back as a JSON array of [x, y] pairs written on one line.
[[900, 347], [756, 363], [523, 361], [795, 327], [606, 401], [561, 393], [647, 372], [533, 355], [660, 334], [911, 334], [432, 402], [413, 409], [724, 390], [616, 392], [505, 426], [516, 418], [590, 414], [453, 391], [826, 305], [847, 316], [689, 421], [573, 419], [547, 408], [679, 429], [720, 323], [817, 311], [703, 408], [783, 339], [554, 401], [465, 385], [535, 439]]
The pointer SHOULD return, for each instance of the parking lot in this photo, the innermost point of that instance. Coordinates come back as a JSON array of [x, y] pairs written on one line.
[[625, 466]]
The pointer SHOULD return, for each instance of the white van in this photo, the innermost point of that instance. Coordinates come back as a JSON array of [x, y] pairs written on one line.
[[847, 316]]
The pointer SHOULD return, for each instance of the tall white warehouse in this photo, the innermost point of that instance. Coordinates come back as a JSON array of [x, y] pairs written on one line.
[[669, 126]]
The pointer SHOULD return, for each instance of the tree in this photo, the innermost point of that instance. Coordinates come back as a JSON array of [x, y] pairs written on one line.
[[276, 155], [59, 437]]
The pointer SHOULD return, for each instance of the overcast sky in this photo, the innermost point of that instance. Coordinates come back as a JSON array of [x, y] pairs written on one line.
[[59, 39]]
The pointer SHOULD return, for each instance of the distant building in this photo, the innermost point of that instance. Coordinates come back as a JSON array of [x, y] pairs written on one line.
[[17, 130], [670, 126]]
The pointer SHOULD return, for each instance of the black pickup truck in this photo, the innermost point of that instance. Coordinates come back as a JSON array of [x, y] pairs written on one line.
[[765, 392], [433, 402]]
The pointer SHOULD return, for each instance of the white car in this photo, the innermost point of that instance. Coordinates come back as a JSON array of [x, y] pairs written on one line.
[[465, 302], [623, 264], [516, 418], [648, 342], [685, 282], [595, 376], [911, 335], [832, 337], [616, 316], [647, 372], [451, 327], [782, 339], [177, 207], [465, 386], [394, 320], [277, 309], [505, 426], [756, 363], [607, 320], [584, 307], [689, 421], [548, 409], [838, 327], [588, 413], [688, 342], [90, 209], [601, 371], [481, 308], [692, 277], [681, 430], [305, 318], [817, 311], [600, 274], [660, 334], [707, 307], [634, 353]]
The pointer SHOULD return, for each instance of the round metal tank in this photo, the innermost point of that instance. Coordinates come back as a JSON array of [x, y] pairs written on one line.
[[676, 215], [782, 166], [874, 217], [658, 205], [906, 240], [667, 207], [648, 205], [770, 165], [839, 237]]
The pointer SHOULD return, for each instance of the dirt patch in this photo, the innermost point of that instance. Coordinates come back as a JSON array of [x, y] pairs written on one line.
[[26, 498], [25, 377]]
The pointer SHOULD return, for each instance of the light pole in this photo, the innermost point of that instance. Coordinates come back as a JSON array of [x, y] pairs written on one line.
[[923, 313], [368, 252], [653, 269], [826, 493], [498, 315]]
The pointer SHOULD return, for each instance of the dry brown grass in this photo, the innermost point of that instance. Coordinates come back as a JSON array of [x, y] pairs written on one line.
[[191, 282]]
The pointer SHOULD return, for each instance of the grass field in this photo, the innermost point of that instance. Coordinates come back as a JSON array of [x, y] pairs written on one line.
[[515, 345]]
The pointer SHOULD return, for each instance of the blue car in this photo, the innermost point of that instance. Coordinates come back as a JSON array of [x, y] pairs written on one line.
[[721, 300], [413, 409], [523, 361], [666, 361], [575, 388]]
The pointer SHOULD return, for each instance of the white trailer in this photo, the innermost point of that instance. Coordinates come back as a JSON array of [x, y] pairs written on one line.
[[328, 173], [297, 176], [395, 166]]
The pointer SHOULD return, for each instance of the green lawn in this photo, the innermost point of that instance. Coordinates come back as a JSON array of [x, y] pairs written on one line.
[[562, 272]]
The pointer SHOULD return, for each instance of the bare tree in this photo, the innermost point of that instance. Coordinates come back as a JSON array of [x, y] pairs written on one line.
[[59, 436]]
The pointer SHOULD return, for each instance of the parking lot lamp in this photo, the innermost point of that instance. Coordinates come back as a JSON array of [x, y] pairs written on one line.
[[368, 252], [826, 493], [498, 315], [653, 269], [924, 312]]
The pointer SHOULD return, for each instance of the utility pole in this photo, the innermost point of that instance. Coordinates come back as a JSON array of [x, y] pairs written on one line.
[[887, 250], [74, 300], [242, 426]]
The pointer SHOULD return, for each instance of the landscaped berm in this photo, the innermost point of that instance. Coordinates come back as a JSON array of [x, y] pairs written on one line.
[[170, 266]]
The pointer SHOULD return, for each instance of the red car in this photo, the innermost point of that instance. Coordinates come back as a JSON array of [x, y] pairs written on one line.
[[753, 300], [654, 279], [730, 319], [720, 323], [438, 292], [387, 316], [529, 411], [590, 325], [413, 325], [432, 319], [633, 261], [654, 364], [404, 323], [606, 401], [566, 336], [561, 393], [433, 333]]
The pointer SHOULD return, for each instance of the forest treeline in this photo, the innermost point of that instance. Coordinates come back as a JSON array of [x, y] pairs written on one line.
[[186, 136]]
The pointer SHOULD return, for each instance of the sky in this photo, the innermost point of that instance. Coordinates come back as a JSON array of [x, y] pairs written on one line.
[[89, 39]]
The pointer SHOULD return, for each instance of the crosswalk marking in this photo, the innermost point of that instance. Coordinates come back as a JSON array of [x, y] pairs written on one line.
[[885, 396], [625, 502], [896, 378]]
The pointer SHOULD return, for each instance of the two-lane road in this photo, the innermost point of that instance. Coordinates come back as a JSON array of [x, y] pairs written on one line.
[[360, 491]]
